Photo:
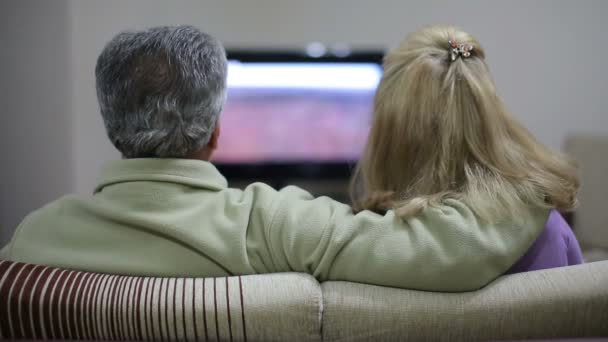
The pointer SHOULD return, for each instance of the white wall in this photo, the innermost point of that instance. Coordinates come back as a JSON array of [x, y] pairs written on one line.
[[548, 58], [35, 108]]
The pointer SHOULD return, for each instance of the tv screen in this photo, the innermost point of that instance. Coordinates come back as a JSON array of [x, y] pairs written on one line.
[[297, 111]]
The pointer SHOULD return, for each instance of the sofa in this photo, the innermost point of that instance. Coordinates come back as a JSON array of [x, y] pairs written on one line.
[[40, 303]]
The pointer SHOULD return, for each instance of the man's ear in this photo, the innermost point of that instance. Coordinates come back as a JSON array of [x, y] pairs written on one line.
[[215, 137]]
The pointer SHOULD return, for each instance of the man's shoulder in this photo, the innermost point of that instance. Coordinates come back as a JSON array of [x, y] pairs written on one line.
[[44, 217], [51, 211], [265, 192], [290, 201]]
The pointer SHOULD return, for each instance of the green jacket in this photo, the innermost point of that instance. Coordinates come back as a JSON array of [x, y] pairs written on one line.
[[177, 217]]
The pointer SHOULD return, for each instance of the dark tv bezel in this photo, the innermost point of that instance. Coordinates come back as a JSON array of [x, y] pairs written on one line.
[[276, 172]]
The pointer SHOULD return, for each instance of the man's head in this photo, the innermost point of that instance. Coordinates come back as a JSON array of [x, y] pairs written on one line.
[[161, 91]]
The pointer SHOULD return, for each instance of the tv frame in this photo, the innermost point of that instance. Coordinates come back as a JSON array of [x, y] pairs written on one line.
[[277, 172]]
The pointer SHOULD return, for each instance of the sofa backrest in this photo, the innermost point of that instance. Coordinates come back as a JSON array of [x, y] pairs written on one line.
[[40, 302], [553, 303]]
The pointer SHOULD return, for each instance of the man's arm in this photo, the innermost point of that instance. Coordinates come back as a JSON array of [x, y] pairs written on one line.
[[440, 249]]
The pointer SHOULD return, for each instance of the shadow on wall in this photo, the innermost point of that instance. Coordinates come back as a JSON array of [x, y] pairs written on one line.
[[591, 217], [36, 117]]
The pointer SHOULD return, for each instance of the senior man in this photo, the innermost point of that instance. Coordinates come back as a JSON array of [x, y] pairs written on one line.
[[165, 210]]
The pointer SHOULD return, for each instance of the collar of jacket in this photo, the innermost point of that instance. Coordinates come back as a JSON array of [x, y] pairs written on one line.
[[195, 173]]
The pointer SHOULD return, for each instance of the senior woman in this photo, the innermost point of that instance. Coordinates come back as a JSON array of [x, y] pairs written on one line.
[[165, 210]]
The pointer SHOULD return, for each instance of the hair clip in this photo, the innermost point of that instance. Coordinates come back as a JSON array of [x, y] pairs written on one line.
[[456, 50]]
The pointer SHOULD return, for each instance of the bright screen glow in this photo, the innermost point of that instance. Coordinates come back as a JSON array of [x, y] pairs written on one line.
[[296, 112]]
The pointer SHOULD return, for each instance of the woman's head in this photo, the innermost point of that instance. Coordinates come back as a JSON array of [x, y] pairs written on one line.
[[440, 131]]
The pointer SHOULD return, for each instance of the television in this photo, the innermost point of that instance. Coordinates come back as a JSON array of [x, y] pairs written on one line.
[[289, 115]]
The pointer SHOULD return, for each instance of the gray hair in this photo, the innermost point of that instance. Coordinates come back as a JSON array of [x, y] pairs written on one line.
[[161, 90]]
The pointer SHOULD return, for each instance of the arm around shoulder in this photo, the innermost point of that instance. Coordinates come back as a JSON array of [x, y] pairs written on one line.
[[441, 249]]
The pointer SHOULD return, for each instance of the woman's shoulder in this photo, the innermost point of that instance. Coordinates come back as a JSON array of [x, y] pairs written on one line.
[[558, 226]]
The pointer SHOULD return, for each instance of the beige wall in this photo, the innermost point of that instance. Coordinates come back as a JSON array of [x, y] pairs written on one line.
[[35, 107], [548, 58]]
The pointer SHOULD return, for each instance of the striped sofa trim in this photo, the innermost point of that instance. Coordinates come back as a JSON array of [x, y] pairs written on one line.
[[41, 302]]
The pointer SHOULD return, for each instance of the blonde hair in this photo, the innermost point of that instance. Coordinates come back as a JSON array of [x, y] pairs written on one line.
[[440, 131]]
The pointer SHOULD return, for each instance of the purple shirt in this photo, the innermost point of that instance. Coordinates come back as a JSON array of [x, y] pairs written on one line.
[[555, 247]]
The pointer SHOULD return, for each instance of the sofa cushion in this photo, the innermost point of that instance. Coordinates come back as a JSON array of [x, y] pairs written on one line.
[[40, 302], [560, 302]]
